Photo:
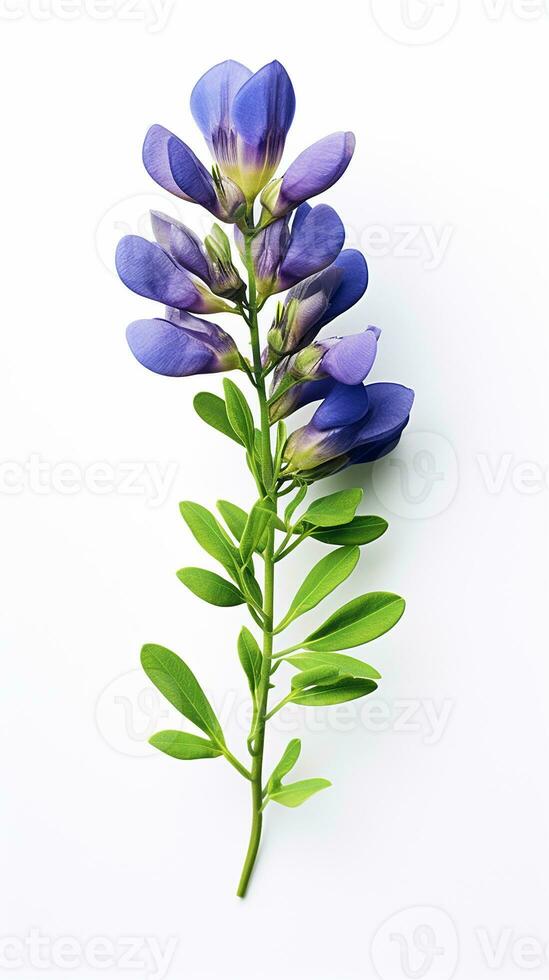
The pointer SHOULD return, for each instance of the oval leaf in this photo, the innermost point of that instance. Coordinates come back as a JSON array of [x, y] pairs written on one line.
[[330, 572], [210, 587], [359, 621], [178, 684], [239, 414], [345, 665], [336, 508], [346, 689], [294, 794], [289, 758], [234, 516], [210, 535], [250, 657], [319, 674], [254, 532], [181, 745], [361, 530], [212, 410]]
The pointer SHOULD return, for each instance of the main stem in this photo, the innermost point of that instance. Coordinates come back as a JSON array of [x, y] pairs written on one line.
[[262, 693]]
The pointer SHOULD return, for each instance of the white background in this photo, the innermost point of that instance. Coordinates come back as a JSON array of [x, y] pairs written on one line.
[[440, 804]]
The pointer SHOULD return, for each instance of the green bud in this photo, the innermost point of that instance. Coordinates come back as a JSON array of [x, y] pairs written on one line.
[[269, 196]]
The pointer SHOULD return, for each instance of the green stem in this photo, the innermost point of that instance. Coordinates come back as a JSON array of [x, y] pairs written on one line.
[[262, 694]]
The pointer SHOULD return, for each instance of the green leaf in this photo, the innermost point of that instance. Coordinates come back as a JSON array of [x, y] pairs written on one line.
[[180, 745], [250, 657], [210, 587], [294, 794], [344, 689], [253, 534], [178, 684], [234, 516], [239, 414], [361, 530], [289, 758], [294, 504], [359, 621], [212, 410], [210, 535], [252, 585], [319, 674], [344, 664], [330, 572], [336, 508], [281, 439]]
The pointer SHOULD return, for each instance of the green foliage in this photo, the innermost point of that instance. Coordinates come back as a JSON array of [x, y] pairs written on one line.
[[234, 516], [210, 587], [294, 794], [349, 666], [181, 745], [361, 530], [239, 414], [213, 411], [210, 535], [319, 674], [287, 762], [250, 657], [336, 508], [330, 572], [178, 684], [254, 534], [292, 507], [336, 692], [358, 621]]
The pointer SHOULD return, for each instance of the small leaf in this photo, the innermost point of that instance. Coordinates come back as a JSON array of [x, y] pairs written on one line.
[[235, 518], [210, 587], [345, 665], [210, 535], [330, 572], [239, 414], [250, 657], [361, 530], [257, 523], [180, 745], [281, 438], [289, 758], [294, 794], [359, 621], [319, 674], [178, 684], [212, 410], [336, 508], [294, 504], [344, 689]]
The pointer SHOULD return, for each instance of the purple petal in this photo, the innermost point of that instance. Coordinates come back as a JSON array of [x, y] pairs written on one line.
[[313, 171], [156, 160], [182, 244], [316, 240], [166, 349], [211, 334], [389, 409], [148, 270], [354, 280], [263, 110], [350, 359], [212, 99], [375, 450], [298, 396], [191, 175], [344, 405]]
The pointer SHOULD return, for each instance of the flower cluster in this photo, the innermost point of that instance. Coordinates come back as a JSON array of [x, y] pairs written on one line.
[[244, 118]]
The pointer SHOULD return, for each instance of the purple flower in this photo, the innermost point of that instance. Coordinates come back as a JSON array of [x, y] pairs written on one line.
[[317, 301], [312, 173], [360, 424], [283, 257], [182, 345], [321, 370], [173, 165], [149, 270], [244, 119], [211, 262]]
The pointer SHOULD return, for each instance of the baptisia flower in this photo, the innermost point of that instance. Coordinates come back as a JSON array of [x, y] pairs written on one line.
[[355, 424], [211, 261], [312, 173], [283, 255], [320, 370], [148, 269], [316, 301], [182, 345]]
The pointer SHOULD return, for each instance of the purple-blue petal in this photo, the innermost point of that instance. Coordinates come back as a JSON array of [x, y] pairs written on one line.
[[263, 110], [316, 168], [354, 280], [317, 238], [156, 160], [166, 349], [350, 359], [344, 405], [213, 96], [148, 270], [389, 409], [182, 244], [190, 174]]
